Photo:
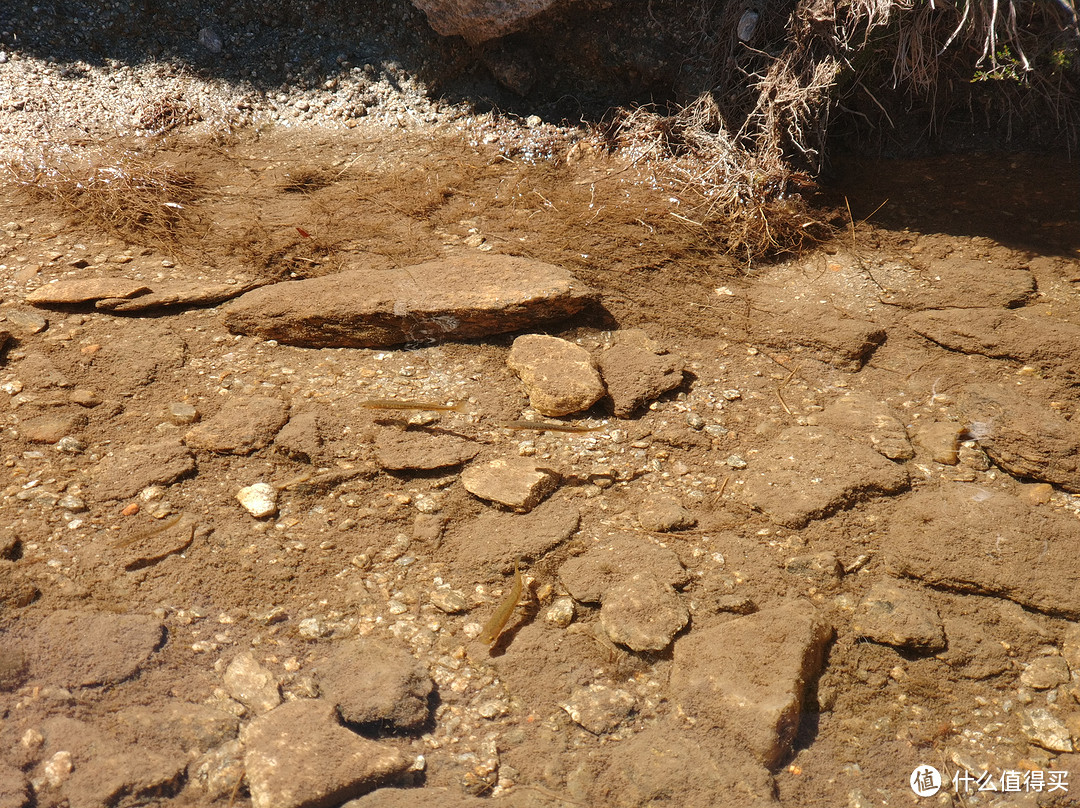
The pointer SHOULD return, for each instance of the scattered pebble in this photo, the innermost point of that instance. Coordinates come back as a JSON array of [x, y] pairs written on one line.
[[260, 499]]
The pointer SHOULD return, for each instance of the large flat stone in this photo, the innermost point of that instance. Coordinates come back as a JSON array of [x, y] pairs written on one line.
[[461, 297], [85, 290], [823, 332], [962, 284], [85, 649], [560, 377], [807, 473], [137, 466], [241, 426], [1022, 335], [966, 538], [1023, 438], [747, 678], [299, 756]]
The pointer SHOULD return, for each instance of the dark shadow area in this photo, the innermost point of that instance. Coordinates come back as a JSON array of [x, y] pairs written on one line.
[[1030, 202]]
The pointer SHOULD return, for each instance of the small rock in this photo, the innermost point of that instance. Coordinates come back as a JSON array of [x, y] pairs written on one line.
[[1045, 672], [737, 604], [517, 483], [51, 428], [171, 537], [642, 613], [597, 708], [85, 290], [299, 756], [85, 398], [69, 444], [420, 450], [181, 413], [749, 676], [210, 40], [260, 499], [587, 576], [26, 321], [637, 370], [1042, 728], [87, 649], [559, 376], [663, 514], [561, 612], [251, 684], [871, 422], [242, 426], [808, 473], [900, 616], [138, 466], [942, 440], [57, 769], [822, 568], [217, 772], [450, 601], [370, 681], [1038, 493]]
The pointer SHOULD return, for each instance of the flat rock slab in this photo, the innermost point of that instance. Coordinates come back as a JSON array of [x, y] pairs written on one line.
[[642, 613], [87, 649], [748, 677], [966, 538], [667, 767], [299, 756], [150, 544], [869, 421], [824, 333], [518, 483], [1023, 438], [1001, 334], [105, 769], [135, 467], [191, 727], [961, 284], [85, 290], [559, 376], [589, 576], [423, 798], [636, 370], [899, 615], [241, 427], [421, 449], [456, 298], [373, 682], [808, 473], [169, 294], [526, 536]]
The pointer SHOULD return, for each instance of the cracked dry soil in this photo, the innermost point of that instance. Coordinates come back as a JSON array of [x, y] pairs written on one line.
[[856, 516]]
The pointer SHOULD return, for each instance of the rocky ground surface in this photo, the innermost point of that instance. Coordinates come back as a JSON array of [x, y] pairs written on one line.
[[450, 464]]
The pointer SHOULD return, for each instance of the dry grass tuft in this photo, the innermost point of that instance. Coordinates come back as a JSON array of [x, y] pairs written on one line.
[[117, 190]]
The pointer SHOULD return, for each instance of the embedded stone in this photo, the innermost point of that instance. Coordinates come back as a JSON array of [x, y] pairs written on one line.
[[559, 376], [517, 483]]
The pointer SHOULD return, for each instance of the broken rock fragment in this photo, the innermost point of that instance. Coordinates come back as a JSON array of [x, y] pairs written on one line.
[[85, 290], [240, 427], [461, 297], [299, 756], [807, 473], [559, 376], [598, 708], [251, 684], [642, 613], [87, 649], [749, 676], [371, 681], [637, 370], [517, 483], [901, 616]]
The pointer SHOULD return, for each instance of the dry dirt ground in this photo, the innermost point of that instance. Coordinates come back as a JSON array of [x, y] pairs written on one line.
[[865, 431]]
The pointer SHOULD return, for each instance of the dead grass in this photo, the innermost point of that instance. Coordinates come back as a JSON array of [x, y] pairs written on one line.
[[120, 191]]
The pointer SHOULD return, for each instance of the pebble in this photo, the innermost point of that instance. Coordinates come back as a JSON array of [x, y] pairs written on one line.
[[450, 601], [181, 413], [251, 684], [561, 612], [260, 499], [597, 708], [85, 398], [942, 440], [663, 514], [69, 444]]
